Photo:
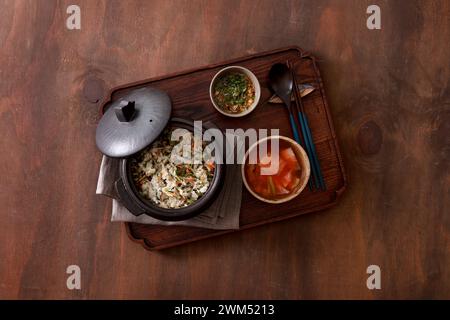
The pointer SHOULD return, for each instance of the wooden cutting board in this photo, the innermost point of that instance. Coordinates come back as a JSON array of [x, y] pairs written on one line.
[[189, 92]]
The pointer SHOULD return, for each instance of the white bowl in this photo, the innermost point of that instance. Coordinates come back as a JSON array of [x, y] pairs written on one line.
[[303, 161], [252, 78]]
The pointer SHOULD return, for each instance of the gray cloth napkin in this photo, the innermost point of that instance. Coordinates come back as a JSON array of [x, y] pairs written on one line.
[[221, 215]]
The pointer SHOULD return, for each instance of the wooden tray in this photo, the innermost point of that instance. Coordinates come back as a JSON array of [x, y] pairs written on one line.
[[189, 92]]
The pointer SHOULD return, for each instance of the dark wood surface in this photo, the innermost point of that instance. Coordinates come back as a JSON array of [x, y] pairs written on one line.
[[389, 96], [189, 92]]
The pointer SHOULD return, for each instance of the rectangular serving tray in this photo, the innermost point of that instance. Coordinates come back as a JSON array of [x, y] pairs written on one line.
[[189, 92]]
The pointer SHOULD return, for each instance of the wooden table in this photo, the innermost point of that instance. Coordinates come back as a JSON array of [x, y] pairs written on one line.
[[389, 94]]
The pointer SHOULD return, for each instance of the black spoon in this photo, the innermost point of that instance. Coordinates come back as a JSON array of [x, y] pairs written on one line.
[[281, 83]]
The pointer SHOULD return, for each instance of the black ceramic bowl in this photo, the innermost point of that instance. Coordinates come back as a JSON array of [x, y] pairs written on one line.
[[138, 205]]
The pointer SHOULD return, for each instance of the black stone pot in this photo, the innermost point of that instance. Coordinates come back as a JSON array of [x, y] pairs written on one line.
[[138, 205]]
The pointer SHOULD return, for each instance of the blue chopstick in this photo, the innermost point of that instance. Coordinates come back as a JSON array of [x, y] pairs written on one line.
[[309, 151], [294, 127], [297, 137], [306, 131]]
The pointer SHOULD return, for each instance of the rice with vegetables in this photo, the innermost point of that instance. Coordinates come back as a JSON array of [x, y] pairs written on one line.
[[161, 176]]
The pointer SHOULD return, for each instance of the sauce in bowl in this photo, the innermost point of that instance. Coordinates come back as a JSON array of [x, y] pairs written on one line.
[[234, 92]]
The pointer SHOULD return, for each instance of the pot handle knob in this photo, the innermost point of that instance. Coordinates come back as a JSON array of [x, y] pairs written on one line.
[[125, 111], [124, 198]]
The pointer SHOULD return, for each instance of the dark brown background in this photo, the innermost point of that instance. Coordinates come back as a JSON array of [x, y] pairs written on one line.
[[389, 94]]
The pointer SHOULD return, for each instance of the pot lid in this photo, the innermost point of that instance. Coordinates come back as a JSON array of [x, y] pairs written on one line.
[[133, 122]]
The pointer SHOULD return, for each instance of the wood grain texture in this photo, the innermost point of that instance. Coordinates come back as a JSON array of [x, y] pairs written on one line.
[[389, 95]]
